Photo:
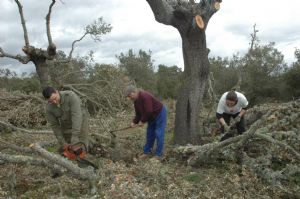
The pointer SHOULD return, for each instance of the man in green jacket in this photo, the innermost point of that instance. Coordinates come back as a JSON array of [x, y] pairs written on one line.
[[67, 117]]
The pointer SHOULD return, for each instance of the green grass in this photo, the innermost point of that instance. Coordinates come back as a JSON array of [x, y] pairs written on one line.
[[169, 138], [52, 149], [194, 178]]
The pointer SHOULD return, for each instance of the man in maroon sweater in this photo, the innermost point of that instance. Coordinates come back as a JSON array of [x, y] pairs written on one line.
[[151, 110]]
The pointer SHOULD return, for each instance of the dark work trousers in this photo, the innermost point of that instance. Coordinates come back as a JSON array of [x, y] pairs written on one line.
[[240, 126], [156, 131]]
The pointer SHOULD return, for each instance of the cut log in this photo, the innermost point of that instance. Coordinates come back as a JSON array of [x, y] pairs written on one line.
[[217, 5], [198, 22]]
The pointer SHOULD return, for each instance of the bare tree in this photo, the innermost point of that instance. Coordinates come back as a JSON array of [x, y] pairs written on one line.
[[42, 57], [190, 19], [37, 55]]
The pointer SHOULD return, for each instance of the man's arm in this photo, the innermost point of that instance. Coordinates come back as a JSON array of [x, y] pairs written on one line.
[[221, 119], [76, 117], [148, 108], [243, 112], [137, 116], [221, 110], [244, 104], [54, 123]]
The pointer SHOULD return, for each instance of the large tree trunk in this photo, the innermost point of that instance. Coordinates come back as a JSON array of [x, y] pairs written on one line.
[[195, 76], [41, 67], [191, 20]]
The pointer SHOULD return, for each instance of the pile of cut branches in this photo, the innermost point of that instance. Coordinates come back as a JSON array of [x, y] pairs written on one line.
[[270, 147], [22, 110]]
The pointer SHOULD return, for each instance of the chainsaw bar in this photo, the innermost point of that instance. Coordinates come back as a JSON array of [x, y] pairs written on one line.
[[86, 162]]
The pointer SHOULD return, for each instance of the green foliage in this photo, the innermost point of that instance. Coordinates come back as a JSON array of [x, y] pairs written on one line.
[[97, 29], [292, 77], [139, 67], [10, 81], [225, 74], [168, 81], [261, 69], [263, 73], [71, 72]]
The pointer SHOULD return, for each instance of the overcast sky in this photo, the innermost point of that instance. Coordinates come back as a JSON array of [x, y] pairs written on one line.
[[134, 27]]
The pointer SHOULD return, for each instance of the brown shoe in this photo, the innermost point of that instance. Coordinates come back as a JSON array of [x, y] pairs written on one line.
[[144, 156], [156, 158]]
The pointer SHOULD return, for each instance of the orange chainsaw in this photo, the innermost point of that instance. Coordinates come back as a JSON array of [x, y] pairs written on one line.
[[78, 152]]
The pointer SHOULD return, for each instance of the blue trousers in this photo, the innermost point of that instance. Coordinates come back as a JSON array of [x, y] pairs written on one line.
[[156, 131]]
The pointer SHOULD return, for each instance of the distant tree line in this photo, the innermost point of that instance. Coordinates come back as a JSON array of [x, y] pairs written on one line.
[[262, 70]]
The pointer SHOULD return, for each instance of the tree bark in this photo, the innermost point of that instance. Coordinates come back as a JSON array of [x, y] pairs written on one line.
[[42, 70], [191, 93]]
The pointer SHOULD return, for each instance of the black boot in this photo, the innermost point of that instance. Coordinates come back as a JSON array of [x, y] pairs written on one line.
[[226, 136]]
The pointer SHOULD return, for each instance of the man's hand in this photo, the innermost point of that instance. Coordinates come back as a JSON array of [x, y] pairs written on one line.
[[132, 125], [237, 119], [226, 127], [141, 124], [62, 148]]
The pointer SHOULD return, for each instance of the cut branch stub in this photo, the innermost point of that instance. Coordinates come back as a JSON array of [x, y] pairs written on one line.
[[198, 22], [217, 5]]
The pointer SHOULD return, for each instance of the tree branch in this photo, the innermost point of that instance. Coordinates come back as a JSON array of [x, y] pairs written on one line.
[[48, 23], [23, 23], [15, 147], [70, 87], [20, 58], [23, 97], [206, 8], [84, 174], [204, 153], [253, 38], [276, 142], [20, 159], [24, 130], [163, 11], [265, 173], [73, 45]]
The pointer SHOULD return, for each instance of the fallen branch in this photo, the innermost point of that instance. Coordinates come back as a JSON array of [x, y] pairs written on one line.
[[276, 142], [25, 130], [84, 174], [15, 147], [21, 159], [209, 152], [270, 176]]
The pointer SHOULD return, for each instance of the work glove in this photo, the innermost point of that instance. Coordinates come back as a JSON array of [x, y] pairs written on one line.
[[141, 124], [237, 119], [133, 125], [60, 149], [226, 127]]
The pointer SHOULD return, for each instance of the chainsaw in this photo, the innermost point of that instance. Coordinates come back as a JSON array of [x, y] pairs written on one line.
[[78, 152]]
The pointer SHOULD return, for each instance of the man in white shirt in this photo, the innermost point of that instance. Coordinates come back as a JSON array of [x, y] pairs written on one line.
[[232, 105]]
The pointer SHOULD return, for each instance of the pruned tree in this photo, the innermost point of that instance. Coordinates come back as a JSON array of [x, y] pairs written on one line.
[[191, 20], [37, 55], [42, 57]]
